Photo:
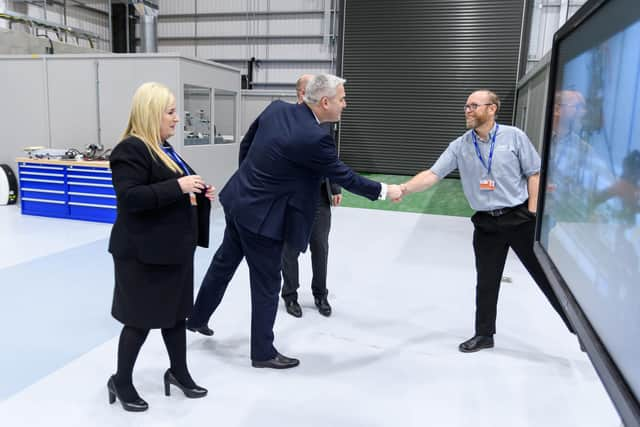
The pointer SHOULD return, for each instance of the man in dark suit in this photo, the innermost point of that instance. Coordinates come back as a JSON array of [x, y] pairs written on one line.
[[271, 199], [330, 194]]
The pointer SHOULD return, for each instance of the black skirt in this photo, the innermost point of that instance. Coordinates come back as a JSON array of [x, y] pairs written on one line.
[[152, 296]]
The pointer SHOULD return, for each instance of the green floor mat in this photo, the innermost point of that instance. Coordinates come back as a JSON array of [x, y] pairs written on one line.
[[444, 198]]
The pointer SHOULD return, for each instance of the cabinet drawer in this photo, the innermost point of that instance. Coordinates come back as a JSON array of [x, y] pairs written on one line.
[[37, 168], [94, 175], [42, 184], [92, 212], [89, 172], [91, 198], [39, 193], [76, 186], [40, 206], [51, 175]]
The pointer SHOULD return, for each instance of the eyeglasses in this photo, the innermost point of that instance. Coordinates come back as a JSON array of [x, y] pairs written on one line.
[[474, 106]]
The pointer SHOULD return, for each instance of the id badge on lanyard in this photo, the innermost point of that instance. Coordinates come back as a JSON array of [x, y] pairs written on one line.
[[486, 184]]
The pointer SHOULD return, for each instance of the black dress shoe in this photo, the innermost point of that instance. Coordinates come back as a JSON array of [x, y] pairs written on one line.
[[293, 308], [278, 362], [323, 306], [135, 405], [204, 330], [191, 392], [478, 342]]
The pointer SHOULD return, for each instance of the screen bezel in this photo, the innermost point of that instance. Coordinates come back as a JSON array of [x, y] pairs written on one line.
[[621, 395]]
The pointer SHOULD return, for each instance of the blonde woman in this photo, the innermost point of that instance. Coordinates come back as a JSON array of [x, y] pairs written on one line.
[[163, 214]]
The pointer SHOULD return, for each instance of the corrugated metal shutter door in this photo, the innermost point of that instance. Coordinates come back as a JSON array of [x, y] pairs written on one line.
[[410, 66]]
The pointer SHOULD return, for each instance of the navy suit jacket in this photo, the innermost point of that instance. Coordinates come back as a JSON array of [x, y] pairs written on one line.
[[283, 158]]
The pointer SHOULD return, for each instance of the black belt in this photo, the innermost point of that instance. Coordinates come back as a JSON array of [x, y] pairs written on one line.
[[501, 211]]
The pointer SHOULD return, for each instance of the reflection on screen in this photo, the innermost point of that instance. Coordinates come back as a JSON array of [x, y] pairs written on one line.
[[591, 222]]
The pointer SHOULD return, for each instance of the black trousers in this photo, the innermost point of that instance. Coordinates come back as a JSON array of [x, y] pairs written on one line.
[[264, 258], [492, 238], [319, 246]]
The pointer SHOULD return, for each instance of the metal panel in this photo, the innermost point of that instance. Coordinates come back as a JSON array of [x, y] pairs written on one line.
[[410, 67], [216, 163], [173, 6], [268, 30], [534, 125], [255, 101], [119, 78], [24, 107], [74, 119]]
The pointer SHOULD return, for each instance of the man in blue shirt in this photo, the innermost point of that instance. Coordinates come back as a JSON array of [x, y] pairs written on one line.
[[499, 169]]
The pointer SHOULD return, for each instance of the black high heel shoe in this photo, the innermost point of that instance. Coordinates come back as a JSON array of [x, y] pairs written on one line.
[[138, 405], [192, 393]]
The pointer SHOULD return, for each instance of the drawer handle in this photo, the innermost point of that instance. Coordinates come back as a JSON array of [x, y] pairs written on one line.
[[49, 181], [33, 199], [73, 169], [30, 166], [106, 196], [91, 205], [38, 190], [88, 184], [96, 178], [42, 174]]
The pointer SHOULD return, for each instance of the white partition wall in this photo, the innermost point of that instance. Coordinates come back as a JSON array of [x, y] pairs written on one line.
[[70, 101]]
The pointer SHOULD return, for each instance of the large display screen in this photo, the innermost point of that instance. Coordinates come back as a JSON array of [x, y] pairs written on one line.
[[589, 222]]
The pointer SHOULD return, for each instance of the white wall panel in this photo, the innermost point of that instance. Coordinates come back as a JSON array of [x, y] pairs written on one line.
[[185, 50], [547, 17], [255, 101], [222, 6], [181, 28], [301, 49], [219, 6], [240, 29], [177, 6], [286, 73], [293, 4], [222, 49], [67, 77], [237, 26], [232, 49], [24, 109]]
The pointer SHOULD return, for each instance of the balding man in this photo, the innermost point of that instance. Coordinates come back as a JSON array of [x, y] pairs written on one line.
[[499, 169], [330, 194], [271, 199]]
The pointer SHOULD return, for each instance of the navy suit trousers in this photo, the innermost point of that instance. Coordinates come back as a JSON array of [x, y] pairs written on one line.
[[264, 258]]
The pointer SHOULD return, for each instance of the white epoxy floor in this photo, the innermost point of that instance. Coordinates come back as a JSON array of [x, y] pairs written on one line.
[[402, 290]]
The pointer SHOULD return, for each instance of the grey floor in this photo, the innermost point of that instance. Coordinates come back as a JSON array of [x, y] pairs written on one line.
[[402, 288]]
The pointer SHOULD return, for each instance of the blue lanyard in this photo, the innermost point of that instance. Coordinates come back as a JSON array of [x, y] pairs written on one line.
[[493, 145], [169, 151]]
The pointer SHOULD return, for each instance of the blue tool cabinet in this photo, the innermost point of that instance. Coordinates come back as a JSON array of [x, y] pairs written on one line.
[[67, 189]]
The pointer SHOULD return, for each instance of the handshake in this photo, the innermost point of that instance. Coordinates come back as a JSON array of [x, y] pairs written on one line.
[[395, 192]]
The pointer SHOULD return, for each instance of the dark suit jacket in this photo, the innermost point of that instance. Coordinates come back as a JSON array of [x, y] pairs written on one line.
[[328, 188], [155, 223], [283, 158]]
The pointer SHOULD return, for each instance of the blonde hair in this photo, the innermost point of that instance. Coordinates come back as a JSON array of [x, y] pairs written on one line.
[[148, 105]]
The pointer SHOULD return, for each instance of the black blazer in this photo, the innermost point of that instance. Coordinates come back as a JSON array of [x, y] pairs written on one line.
[[156, 223], [283, 158]]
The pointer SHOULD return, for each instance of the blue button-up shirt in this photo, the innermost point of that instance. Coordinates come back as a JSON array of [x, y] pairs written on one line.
[[514, 160]]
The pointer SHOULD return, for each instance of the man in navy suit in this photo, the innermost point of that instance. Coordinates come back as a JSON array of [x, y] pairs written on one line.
[[271, 199], [330, 195]]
